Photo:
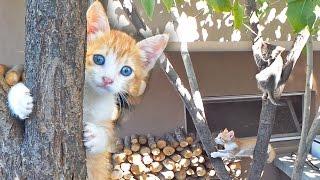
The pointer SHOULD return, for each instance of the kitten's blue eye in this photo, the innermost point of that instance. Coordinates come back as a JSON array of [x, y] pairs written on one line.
[[98, 59], [126, 71]]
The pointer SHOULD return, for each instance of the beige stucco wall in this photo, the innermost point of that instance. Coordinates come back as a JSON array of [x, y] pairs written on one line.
[[219, 73], [12, 31]]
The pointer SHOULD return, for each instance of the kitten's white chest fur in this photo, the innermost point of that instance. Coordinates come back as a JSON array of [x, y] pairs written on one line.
[[98, 107]]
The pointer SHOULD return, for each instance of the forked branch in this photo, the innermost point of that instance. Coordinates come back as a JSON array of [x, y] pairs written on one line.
[[196, 115], [268, 110]]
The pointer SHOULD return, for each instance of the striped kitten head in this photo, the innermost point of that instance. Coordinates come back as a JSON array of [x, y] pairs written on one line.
[[115, 62]]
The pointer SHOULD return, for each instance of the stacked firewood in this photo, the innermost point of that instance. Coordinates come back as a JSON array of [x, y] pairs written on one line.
[[10, 76], [173, 156]]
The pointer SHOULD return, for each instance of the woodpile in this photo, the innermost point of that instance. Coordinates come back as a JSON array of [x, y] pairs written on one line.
[[145, 157], [10, 76], [173, 156]]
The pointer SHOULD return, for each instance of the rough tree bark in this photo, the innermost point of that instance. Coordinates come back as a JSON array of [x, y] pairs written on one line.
[[11, 137], [302, 150], [268, 110], [196, 113], [51, 146]]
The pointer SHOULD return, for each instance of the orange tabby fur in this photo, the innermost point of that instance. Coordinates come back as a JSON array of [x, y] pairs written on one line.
[[140, 56], [238, 147], [100, 165], [124, 47]]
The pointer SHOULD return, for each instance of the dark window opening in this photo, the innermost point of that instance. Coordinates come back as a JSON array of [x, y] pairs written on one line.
[[242, 115]]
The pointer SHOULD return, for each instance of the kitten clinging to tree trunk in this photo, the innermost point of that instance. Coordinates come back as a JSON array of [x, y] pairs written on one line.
[[115, 64], [238, 147], [270, 63]]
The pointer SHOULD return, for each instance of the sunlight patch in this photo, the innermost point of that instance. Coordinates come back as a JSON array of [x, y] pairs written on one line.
[[204, 34], [202, 5], [282, 17], [218, 23], [198, 101], [271, 16], [187, 28], [128, 4], [236, 35], [169, 29], [278, 32], [254, 18], [317, 11]]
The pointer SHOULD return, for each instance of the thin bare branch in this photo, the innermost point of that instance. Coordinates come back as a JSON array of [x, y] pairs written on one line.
[[302, 153], [198, 119]]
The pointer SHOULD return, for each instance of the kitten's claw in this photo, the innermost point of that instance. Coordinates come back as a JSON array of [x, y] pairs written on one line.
[[20, 101], [94, 138]]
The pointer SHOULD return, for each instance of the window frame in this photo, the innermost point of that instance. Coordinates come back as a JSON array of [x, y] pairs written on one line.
[[255, 97]]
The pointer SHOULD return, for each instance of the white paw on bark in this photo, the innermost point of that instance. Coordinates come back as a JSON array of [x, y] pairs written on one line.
[[95, 138], [20, 101]]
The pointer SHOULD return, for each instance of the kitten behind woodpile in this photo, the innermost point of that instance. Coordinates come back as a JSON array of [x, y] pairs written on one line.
[[238, 147]]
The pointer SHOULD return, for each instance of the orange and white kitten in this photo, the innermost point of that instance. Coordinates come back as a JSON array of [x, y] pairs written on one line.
[[238, 147], [115, 64]]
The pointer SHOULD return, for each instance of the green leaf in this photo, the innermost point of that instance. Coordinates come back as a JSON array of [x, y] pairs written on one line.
[[220, 5], [300, 13], [261, 1], [168, 4], [238, 14], [179, 2], [148, 6]]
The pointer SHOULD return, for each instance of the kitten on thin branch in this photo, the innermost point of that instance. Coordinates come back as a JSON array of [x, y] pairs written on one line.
[[270, 64]]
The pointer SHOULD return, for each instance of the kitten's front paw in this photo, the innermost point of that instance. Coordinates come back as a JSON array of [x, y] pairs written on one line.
[[20, 100], [94, 138], [214, 154]]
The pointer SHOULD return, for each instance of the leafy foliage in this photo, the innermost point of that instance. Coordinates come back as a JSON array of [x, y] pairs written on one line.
[[238, 14], [179, 2], [148, 6], [261, 1], [220, 5], [300, 13], [168, 4]]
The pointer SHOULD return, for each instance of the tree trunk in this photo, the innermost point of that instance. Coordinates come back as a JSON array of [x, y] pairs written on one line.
[[10, 140], [52, 146], [267, 117], [302, 151], [268, 110]]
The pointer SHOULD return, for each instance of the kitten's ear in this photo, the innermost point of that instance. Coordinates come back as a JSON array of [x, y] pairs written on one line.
[[231, 134], [152, 48], [97, 21]]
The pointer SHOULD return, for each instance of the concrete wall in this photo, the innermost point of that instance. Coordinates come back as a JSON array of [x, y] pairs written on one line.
[[218, 73], [12, 31]]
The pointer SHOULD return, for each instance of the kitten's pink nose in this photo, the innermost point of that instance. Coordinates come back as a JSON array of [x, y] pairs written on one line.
[[107, 81]]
